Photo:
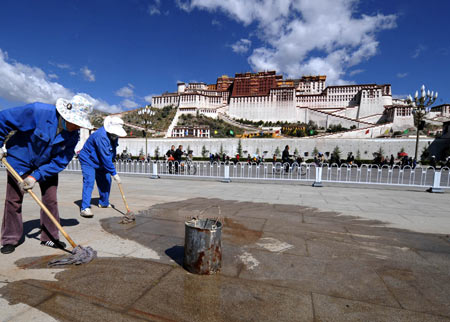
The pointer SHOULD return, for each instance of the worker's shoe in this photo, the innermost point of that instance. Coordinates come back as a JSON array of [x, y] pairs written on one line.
[[86, 213], [8, 249], [56, 244], [108, 206]]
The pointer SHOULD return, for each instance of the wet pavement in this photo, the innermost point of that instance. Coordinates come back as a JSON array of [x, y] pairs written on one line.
[[281, 262]]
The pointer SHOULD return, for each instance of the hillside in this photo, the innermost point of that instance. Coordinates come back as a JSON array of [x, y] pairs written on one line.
[[218, 128], [159, 121], [97, 118]]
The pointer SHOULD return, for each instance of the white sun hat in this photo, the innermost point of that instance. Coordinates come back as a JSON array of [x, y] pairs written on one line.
[[75, 110], [114, 125]]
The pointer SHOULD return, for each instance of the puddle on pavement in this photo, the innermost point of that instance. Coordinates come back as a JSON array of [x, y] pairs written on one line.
[[106, 284], [124, 288]]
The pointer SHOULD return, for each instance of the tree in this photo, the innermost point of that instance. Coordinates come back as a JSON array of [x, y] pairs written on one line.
[[380, 151], [239, 148], [425, 154], [257, 151], [157, 152], [336, 155], [296, 151], [315, 151], [188, 148], [358, 155], [277, 151], [221, 149], [204, 151]]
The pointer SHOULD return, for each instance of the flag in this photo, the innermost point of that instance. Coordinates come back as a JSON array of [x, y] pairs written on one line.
[[386, 132], [311, 132], [367, 131], [231, 132], [406, 131], [215, 132]]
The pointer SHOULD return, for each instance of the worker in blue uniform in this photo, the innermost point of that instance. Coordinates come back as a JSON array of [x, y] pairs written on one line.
[[97, 165], [42, 145]]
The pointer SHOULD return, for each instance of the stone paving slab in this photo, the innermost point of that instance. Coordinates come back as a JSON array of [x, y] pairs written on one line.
[[329, 308], [290, 253], [326, 277], [221, 298]]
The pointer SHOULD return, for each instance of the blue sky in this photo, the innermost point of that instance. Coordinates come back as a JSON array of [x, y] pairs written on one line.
[[120, 52]]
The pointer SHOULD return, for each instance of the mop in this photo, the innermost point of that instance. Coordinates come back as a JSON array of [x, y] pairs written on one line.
[[129, 217], [79, 254]]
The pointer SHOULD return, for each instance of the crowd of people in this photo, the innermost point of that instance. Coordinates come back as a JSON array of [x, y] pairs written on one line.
[[174, 157], [318, 158], [402, 160]]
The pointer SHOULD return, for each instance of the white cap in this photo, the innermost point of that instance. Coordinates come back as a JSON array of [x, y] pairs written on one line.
[[114, 125], [75, 111]]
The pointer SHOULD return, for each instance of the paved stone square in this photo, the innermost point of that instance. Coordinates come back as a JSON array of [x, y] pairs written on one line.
[[291, 252]]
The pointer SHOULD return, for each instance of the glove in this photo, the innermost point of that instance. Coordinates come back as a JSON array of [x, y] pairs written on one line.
[[117, 178], [2, 153], [27, 183]]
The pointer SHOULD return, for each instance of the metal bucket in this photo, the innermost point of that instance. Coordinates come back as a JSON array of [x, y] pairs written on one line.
[[203, 246]]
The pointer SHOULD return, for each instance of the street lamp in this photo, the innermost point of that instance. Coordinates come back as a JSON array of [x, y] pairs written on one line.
[[421, 106], [146, 112]]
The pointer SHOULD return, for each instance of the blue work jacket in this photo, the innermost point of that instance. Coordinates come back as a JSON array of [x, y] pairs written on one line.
[[36, 147], [99, 151]]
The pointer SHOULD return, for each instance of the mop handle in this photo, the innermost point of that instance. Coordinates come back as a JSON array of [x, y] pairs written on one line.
[[39, 202], [123, 197]]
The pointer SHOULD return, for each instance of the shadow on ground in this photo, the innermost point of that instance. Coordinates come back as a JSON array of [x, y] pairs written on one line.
[[280, 263], [35, 224], [95, 203]]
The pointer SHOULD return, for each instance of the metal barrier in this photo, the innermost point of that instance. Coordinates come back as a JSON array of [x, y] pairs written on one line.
[[420, 176]]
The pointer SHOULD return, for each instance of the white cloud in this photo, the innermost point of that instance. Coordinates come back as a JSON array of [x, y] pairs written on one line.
[[148, 98], [53, 76], [356, 72], [126, 91], [241, 46], [216, 22], [400, 96], [154, 8], [72, 73], [101, 105], [183, 6], [23, 83], [59, 65], [402, 75], [27, 84], [87, 73], [304, 36], [127, 103], [418, 51]]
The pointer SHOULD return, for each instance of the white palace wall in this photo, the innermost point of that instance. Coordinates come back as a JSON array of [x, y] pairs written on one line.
[[324, 120], [262, 109]]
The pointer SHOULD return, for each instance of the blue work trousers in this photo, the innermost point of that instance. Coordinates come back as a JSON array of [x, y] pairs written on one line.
[[103, 179]]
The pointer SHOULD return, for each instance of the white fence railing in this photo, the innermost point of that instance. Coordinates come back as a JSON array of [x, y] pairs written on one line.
[[420, 176]]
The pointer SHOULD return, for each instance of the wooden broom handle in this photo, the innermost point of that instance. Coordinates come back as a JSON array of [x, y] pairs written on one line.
[[39, 202], [123, 197]]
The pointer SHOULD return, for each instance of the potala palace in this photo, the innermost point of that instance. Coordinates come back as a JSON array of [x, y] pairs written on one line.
[[267, 96]]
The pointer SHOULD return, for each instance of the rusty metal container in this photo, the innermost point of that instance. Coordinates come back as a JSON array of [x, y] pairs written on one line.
[[203, 246]]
